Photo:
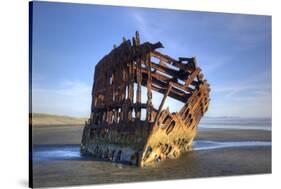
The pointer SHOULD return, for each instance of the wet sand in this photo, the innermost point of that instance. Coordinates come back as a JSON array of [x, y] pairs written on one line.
[[57, 161]]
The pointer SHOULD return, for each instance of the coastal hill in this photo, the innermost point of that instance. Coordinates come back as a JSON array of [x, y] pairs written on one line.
[[41, 119]]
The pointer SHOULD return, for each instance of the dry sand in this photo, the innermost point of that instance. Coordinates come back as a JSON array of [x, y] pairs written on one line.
[[39, 119]]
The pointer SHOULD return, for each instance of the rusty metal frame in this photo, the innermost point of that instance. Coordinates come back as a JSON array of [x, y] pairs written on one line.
[[116, 107]]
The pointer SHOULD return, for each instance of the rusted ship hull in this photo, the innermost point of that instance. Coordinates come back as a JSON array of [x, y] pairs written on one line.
[[115, 130], [120, 145]]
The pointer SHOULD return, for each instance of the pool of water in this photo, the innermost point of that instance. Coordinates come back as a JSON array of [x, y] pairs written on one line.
[[72, 152], [56, 152], [211, 145]]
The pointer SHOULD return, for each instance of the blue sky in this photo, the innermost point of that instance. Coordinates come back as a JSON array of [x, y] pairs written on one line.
[[233, 50]]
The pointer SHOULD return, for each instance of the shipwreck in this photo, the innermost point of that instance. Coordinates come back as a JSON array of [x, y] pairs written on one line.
[[124, 128]]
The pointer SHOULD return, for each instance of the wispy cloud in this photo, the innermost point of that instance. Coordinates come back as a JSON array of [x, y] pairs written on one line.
[[249, 33], [216, 46], [252, 96], [166, 31], [142, 25], [259, 84], [222, 43], [67, 97]]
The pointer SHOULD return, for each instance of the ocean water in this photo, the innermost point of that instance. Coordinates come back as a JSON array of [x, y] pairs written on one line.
[[236, 123]]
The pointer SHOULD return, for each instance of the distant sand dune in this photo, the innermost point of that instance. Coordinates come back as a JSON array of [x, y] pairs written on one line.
[[39, 119]]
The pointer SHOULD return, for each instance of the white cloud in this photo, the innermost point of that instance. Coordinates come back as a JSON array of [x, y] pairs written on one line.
[[259, 84], [246, 98], [69, 98]]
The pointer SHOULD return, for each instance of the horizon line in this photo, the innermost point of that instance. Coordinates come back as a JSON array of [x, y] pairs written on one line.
[[53, 114]]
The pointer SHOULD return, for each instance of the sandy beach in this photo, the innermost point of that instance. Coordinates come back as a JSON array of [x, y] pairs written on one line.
[[57, 161]]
